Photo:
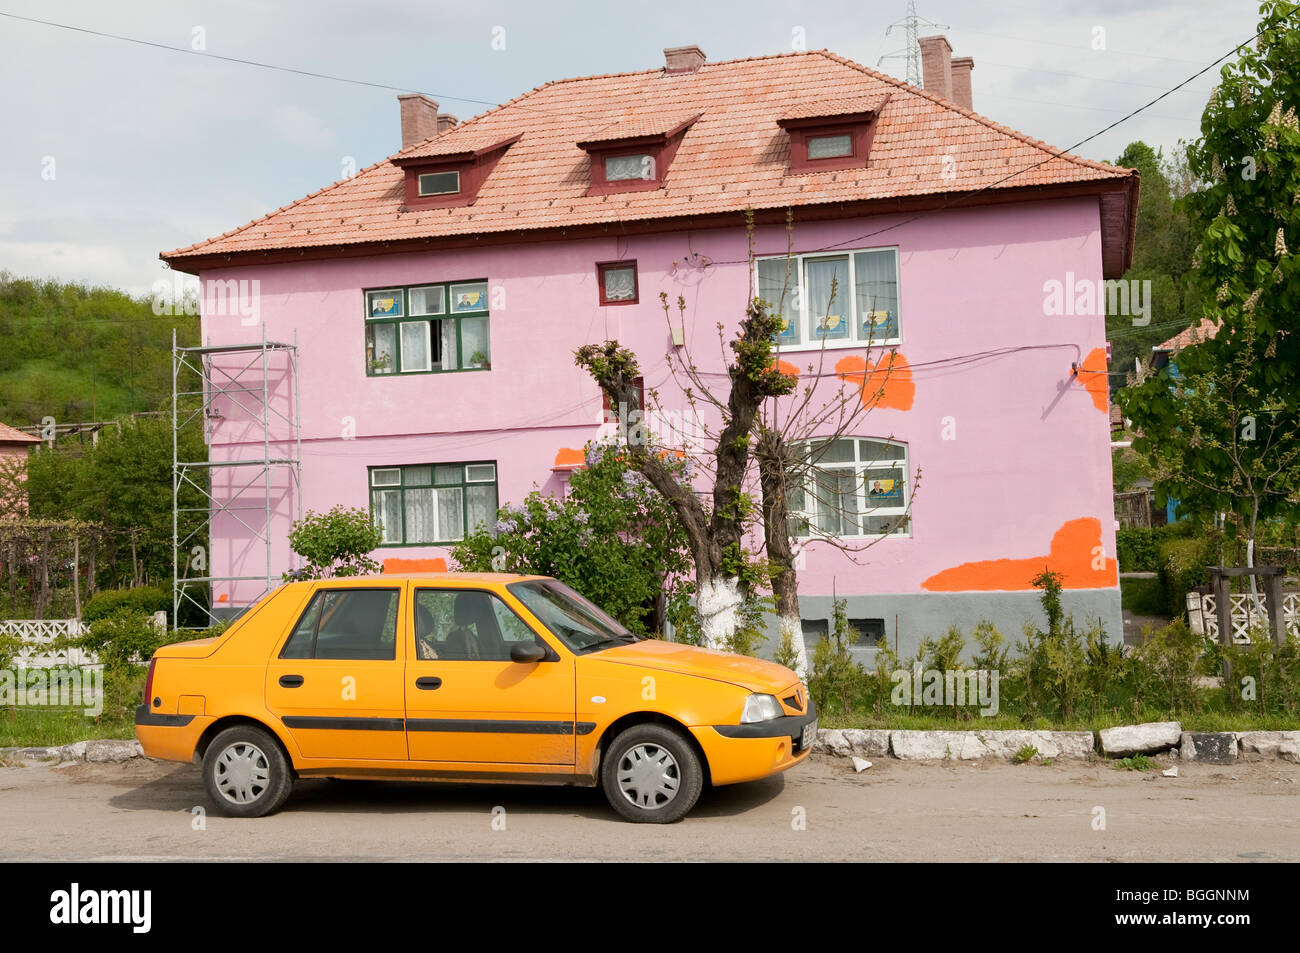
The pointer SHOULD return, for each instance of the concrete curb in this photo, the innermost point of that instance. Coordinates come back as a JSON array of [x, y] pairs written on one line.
[[1208, 747], [106, 750]]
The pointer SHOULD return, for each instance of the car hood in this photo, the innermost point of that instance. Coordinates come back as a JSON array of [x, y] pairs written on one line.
[[753, 674]]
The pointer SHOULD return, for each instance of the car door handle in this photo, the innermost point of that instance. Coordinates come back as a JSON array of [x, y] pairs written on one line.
[[290, 681], [428, 683]]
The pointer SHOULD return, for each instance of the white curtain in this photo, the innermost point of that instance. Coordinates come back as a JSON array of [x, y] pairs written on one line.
[[419, 516], [827, 318]]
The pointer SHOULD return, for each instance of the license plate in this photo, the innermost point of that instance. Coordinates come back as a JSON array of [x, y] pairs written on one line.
[[808, 736]]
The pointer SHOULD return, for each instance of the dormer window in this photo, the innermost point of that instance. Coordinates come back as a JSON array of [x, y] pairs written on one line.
[[634, 155], [830, 135], [449, 170], [830, 147], [638, 165], [438, 183]]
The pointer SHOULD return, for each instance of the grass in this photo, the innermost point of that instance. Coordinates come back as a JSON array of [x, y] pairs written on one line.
[[1137, 762], [936, 719], [1143, 596], [40, 727]]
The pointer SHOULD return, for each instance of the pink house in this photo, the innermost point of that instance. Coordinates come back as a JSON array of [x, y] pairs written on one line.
[[436, 298]]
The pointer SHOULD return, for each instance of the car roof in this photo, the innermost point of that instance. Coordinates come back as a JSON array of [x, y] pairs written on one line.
[[481, 577]]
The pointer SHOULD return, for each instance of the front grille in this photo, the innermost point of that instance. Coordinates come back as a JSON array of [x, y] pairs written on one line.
[[794, 701]]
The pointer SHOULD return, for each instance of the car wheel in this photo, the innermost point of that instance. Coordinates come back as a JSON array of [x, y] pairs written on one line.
[[651, 775], [246, 772]]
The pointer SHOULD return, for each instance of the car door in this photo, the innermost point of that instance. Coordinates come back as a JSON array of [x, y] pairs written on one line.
[[336, 682], [466, 701]]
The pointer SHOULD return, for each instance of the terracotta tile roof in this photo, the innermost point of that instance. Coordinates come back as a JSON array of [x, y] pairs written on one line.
[[639, 125], [11, 435], [1204, 331], [734, 157], [460, 140], [837, 106]]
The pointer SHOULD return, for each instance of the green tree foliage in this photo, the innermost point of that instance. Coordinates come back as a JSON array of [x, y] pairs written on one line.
[[76, 353], [337, 543], [124, 484], [1223, 426], [613, 538], [1162, 254]]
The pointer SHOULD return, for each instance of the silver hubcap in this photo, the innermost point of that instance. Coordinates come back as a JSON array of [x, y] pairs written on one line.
[[648, 776], [243, 773]]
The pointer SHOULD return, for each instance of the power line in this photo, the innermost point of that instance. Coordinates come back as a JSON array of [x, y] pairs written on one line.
[[1011, 175]]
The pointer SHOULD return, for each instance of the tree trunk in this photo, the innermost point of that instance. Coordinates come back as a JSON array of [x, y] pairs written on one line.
[[76, 575], [772, 459]]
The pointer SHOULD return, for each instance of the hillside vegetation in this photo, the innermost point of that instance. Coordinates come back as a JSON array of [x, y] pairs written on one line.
[[76, 353]]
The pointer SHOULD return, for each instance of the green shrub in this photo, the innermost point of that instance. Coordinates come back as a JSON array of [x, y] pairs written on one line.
[[1163, 670], [1143, 596], [1183, 565], [1265, 676], [144, 600], [121, 640], [1137, 762], [1138, 549], [837, 680], [336, 543]]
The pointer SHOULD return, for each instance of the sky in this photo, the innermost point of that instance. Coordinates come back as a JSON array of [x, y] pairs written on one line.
[[115, 151]]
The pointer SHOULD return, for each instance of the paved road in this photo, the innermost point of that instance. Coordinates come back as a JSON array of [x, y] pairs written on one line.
[[895, 811]]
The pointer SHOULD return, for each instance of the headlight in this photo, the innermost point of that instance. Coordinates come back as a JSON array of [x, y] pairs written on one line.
[[761, 708]]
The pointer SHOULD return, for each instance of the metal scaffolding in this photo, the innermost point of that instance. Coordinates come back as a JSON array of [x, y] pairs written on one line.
[[241, 385]]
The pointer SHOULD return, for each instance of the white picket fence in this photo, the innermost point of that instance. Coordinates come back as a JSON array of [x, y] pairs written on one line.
[[37, 636], [1246, 613]]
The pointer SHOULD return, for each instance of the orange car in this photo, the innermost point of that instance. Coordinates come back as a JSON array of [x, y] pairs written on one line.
[[465, 677]]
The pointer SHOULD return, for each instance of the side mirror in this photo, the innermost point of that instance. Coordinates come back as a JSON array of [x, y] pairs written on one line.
[[527, 652]]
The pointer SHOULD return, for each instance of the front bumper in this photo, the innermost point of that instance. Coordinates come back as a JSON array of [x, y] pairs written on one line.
[[748, 752]]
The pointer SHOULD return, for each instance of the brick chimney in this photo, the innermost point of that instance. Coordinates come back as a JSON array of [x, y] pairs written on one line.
[[419, 118], [446, 121], [936, 65], [683, 59], [961, 67]]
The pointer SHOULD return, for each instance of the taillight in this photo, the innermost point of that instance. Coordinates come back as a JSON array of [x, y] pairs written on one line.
[[148, 683]]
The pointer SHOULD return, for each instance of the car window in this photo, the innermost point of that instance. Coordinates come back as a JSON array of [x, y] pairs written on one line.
[[467, 625], [346, 624], [578, 623]]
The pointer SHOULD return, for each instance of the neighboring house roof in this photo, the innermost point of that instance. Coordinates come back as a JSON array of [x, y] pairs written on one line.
[[10, 435], [733, 158], [1205, 331]]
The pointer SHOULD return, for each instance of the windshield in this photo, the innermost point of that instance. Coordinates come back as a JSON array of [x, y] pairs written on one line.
[[573, 620]]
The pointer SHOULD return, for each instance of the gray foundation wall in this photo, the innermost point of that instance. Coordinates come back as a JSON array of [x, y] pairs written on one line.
[[930, 614]]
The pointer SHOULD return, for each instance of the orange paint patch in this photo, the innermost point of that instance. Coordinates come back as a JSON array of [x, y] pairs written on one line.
[[397, 564], [568, 458], [788, 369], [887, 383], [1075, 550], [1093, 376]]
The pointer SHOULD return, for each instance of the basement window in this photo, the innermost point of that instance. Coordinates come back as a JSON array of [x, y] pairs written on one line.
[[439, 183]]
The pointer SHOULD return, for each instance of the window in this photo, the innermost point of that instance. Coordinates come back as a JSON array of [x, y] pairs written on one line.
[[432, 503], [855, 487], [639, 165], [844, 300], [830, 147], [468, 625], [346, 624], [427, 328], [617, 282], [439, 183]]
